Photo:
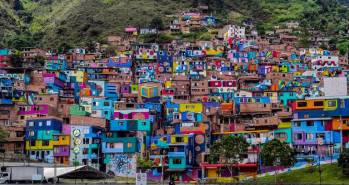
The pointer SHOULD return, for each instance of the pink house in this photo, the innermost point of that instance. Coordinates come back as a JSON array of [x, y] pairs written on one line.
[[33, 109]]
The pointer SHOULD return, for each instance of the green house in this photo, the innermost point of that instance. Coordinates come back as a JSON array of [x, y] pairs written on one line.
[[78, 110]]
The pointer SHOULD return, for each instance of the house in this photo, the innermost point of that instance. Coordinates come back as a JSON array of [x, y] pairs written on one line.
[[86, 145], [114, 40], [29, 54], [39, 136]]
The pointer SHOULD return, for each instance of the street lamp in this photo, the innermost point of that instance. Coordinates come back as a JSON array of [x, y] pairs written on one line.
[[276, 163]]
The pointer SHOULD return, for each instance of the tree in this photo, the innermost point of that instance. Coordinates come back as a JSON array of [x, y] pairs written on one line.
[[39, 61], [144, 164], [3, 134], [276, 151], [157, 23], [229, 151], [343, 161], [16, 59]]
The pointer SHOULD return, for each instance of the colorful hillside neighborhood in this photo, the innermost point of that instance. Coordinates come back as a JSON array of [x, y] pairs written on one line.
[[168, 102]]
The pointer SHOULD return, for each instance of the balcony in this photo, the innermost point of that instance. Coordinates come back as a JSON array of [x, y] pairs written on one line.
[[119, 145]]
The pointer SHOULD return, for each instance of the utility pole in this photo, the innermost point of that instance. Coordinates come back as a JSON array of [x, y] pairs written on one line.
[[320, 170], [54, 171], [341, 131], [162, 169]]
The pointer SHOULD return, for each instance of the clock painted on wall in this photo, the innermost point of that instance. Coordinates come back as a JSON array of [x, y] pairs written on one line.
[[77, 141], [76, 133], [76, 150]]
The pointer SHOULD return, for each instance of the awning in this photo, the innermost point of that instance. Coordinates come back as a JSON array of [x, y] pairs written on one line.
[[80, 172]]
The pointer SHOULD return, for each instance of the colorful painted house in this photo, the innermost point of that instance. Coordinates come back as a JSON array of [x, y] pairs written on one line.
[[40, 138]]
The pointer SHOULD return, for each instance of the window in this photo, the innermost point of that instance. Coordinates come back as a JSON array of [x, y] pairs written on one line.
[[342, 104], [309, 136], [346, 122], [320, 135], [310, 124], [18, 145], [45, 143], [177, 161], [299, 136], [19, 134], [281, 135], [106, 104], [85, 151], [301, 104], [48, 123], [318, 103], [86, 141], [129, 145], [332, 103], [179, 140], [31, 133], [31, 124], [40, 124]]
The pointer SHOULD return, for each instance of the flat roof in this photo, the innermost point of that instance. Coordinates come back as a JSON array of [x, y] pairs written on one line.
[[312, 119], [327, 97]]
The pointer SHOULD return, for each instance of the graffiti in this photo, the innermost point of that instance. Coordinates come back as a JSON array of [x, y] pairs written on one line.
[[122, 165]]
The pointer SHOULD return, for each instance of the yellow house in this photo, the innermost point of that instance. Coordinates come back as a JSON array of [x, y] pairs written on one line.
[[284, 125], [275, 69], [190, 107], [179, 139], [39, 145], [80, 76], [62, 140], [168, 84]]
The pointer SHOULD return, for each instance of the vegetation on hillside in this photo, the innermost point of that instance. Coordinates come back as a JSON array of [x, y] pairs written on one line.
[[72, 23], [330, 174]]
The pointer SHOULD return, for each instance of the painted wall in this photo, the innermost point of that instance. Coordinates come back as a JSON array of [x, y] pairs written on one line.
[[123, 165]]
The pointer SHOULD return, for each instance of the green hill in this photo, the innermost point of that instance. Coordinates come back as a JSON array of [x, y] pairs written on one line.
[[331, 174], [57, 23]]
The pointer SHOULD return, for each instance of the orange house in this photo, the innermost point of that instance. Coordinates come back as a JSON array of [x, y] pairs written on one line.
[[337, 123]]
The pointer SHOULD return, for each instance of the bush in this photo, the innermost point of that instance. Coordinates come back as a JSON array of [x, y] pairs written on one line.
[[165, 38], [343, 161]]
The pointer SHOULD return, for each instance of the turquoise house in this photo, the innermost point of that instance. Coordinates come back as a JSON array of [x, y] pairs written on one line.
[[287, 96], [283, 134]]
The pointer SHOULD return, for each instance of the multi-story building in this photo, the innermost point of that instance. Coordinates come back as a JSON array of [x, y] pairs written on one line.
[[40, 135]]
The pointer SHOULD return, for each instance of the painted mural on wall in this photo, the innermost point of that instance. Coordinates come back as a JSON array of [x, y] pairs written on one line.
[[123, 165]]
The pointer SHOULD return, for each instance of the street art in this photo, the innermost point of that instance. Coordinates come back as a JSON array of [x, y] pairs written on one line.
[[123, 165]]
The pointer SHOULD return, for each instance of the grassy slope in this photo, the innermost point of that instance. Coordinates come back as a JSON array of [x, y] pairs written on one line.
[[75, 21], [331, 174], [78, 22]]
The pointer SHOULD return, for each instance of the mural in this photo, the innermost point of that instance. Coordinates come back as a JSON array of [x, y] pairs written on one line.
[[123, 165]]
